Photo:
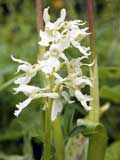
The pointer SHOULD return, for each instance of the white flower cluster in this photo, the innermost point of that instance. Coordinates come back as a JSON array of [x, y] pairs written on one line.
[[57, 37]]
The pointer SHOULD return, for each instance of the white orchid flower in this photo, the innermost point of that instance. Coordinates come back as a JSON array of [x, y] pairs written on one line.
[[56, 108], [21, 106], [26, 67], [58, 48], [49, 64], [82, 81], [57, 37], [84, 50], [78, 34], [66, 96], [23, 80], [33, 96], [46, 16], [83, 99], [52, 95], [27, 89], [53, 26], [51, 29]]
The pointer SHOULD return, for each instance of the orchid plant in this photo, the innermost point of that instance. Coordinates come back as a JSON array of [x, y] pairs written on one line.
[[59, 88]]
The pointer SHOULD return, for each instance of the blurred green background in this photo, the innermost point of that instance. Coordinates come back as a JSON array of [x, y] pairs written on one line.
[[18, 36]]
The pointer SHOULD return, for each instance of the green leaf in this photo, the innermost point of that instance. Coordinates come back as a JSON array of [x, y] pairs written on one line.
[[113, 152], [68, 119], [58, 144], [108, 92], [111, 120], [111, 72], [8, 83], [11, 133], [77, 130], [97, 139], [11, 157], [27, 122]]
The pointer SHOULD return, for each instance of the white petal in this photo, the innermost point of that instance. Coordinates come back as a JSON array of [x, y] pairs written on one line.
[[79, 95], [83, 99], [61, 19], [79, 34], [67, 97], [86, 107], [21, 106], [59, 80], [90, 64], [46, 16], [24, 67], [49, 95], [73, 25], [82, 81], [19, 60], [50, 27], [88, 98], [63, 56], [44, 39], [82, 49], [48, 65], [23, 80], [57, 76], [61, 45], [17, 112], [65, 43], [27, 89], [56, 109]]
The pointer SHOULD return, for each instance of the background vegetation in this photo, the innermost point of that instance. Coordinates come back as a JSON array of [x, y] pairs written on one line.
[[19, 137]]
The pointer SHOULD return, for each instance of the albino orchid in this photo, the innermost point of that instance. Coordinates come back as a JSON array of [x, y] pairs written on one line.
[[57, 37]]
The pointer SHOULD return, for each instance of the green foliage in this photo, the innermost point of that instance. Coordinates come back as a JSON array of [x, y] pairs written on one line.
[[113, 151], [97, 139], [96, 134], [14, 157], [111, 121], [108, 92], [26, 123], [68, 119]]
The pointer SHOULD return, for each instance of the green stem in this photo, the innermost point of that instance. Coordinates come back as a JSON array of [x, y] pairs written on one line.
[[40, 24], [98, 139], [58, 140], [47, 140], [97, 145], [39, 10], [97, 135], [94, 113]]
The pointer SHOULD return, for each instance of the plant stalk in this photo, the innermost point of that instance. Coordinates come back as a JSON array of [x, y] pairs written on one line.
[[94, 91], [47, 140], [44, 116], [40, 25], [46, 120], [58, 140], [39, 10], [98, 140]]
